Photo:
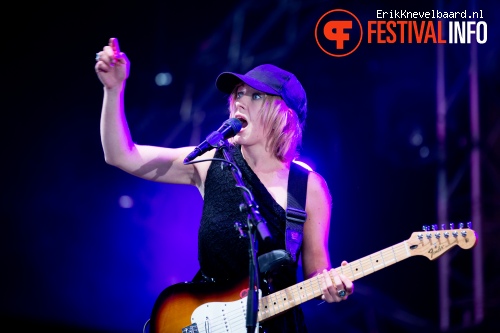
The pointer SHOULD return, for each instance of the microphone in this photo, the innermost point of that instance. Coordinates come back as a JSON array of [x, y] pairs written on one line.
[[229, 128]]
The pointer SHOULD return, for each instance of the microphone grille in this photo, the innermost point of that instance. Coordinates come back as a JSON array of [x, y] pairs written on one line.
[[235, 124]]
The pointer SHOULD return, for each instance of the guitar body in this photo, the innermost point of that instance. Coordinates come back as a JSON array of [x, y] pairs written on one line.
[[177, 306]]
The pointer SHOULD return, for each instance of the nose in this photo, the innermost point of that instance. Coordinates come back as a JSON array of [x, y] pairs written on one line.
[[240, 104]]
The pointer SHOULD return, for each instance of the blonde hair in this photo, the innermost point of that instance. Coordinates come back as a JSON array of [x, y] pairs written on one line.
[[281, 125]]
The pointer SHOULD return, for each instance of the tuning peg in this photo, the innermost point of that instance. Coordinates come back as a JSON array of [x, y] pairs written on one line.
[[428, 234], [461, 225], [425, 227], [452, 225], [434, 227], [469, 225], [443, 226]]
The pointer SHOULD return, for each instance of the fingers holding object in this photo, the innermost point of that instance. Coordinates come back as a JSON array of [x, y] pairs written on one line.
[[103, 63], [349, 285], [115, 47], [105, 59], [331, 284], [327, 287], [340, 287], [118, 55], [335, 287]]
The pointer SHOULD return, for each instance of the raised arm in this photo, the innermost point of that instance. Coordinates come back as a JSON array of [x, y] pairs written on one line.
[[149, 162]]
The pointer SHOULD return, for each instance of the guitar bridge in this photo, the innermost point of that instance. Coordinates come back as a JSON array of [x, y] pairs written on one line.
[[193, 328]]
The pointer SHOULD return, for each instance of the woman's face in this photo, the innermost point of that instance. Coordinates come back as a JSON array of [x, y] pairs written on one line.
[[248, 103]]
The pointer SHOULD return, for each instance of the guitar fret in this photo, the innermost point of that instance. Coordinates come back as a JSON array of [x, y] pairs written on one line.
[[395, 258], [356, 274], [365, 264], [406, 248], [290, 298], [379, 263], [297, 293], [311, 288], [317, 290], [263, 311], [389, 254], [294, 294], [353, 277], [279, 301], [361, 265], [273, 300], [382, 256], [285, 298], [270, 307], [301, 292], [276, 304], [318, 281]]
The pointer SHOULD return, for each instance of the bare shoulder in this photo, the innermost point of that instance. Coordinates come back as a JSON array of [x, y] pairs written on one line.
[[317, 182], [317, 189]]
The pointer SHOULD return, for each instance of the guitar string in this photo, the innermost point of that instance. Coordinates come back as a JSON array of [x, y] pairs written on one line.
[[231, 320], [399, 252], [388, 256], [365, 263], [234, 318], [309, 292], [305, 290]]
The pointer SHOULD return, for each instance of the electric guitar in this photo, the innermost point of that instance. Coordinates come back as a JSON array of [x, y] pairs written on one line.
[[192, 307]]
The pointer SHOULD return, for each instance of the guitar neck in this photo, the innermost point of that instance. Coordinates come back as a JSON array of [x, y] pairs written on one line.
[[309, 289]]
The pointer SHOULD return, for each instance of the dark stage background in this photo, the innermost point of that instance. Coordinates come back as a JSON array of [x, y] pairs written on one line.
[[88, 248]]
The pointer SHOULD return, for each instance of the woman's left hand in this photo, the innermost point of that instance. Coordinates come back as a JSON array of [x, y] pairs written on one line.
[[336, 287]]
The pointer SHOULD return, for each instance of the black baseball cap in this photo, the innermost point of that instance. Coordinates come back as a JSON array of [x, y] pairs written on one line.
[[271, 80]]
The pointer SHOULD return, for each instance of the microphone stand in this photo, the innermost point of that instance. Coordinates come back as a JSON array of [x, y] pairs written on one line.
[[255, 222]]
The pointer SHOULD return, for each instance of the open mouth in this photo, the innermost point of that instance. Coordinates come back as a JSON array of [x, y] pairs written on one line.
[[244, 123]]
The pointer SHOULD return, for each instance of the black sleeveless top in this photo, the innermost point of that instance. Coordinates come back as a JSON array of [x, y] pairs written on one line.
[[223, 255]]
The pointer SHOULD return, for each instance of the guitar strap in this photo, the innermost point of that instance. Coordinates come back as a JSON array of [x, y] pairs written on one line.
[[295, 212]]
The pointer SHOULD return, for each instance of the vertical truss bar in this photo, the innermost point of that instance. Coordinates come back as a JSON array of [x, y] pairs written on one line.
[[442, 189], [475, 164]]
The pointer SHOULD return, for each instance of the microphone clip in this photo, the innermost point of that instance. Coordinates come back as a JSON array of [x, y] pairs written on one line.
[[216, 139]]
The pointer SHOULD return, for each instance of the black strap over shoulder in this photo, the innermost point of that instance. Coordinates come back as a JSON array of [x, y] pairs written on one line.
[[295, 213]]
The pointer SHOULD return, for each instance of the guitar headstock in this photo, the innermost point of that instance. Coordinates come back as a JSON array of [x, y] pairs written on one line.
[[433, 243]]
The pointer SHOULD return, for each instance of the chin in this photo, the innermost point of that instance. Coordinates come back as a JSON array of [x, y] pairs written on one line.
[[237, 140]]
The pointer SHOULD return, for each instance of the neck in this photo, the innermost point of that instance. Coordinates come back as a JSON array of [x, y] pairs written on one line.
[[261, 159]]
